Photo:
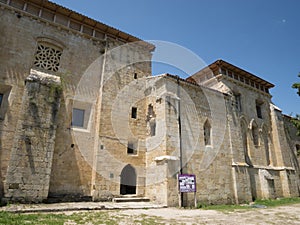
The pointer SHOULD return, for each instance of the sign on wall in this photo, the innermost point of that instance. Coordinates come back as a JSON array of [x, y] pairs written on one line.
[[187, 182]]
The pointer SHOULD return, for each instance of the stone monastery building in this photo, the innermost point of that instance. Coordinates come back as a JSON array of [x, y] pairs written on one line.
[[82, 118]]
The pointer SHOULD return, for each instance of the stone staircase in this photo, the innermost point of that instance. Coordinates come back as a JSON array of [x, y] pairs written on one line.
[[130, 198]]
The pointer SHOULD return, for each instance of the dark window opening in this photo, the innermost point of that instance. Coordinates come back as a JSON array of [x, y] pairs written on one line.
[[298, 150], [78, 117], [255, 136], [135, 76], [130, 148], [207, 133], [259, 110], [237, 102], [133, 112], [1, 98]]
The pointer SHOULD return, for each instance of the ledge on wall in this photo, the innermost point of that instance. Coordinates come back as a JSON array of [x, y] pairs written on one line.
[[166, 158]]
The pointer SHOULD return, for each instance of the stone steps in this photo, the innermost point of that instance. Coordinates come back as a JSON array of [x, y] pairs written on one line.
[[130, 199]]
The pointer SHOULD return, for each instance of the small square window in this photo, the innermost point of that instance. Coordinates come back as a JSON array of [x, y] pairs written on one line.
[[78, 117], [130, 149], [133, 112]]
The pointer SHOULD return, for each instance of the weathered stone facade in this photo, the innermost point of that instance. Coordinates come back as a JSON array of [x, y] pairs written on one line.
[[81, 117]]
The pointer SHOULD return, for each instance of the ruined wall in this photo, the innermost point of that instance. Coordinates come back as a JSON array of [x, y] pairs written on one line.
[[30, 165]]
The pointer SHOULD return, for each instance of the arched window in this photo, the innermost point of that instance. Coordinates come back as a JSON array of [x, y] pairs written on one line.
[[207, 133]]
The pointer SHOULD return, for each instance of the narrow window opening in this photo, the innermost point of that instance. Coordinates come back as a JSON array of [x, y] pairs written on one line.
[[255, 135], [266, 143], [134, 112], [298, 150], [78, 117], [245, 143], [135, 76], [237, 102], [131, 149], [207, 133], [151, 121], [258, 111], [1, 98]]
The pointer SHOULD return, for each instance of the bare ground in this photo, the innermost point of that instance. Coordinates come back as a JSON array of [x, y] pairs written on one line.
[[146, 213], [277, 215]]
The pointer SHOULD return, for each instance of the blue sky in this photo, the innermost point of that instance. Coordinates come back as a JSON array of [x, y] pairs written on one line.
[[260, 36]]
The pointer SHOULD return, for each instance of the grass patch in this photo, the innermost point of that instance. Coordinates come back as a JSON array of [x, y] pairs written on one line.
[[266, 202], [223, 207], [35, 219], [103, 217], [278, 202]]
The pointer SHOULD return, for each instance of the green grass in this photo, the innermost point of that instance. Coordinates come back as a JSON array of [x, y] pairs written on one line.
[[223, 207], [14, 218], [278, 202], [103, 217], [267, 203], [115, 217]]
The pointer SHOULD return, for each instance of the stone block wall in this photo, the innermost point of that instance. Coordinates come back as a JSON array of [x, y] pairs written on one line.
[[30, 165], [80, 69], [131, 121], [122, 91]]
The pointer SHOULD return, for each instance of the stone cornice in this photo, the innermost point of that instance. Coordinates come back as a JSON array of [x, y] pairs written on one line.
[[65, 18]]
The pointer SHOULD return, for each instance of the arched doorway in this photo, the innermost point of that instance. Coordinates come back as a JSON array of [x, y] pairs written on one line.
[[128, 181]]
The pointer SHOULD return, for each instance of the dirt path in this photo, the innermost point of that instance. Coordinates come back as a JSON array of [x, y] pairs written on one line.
[[279, 215], [117, 213]]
